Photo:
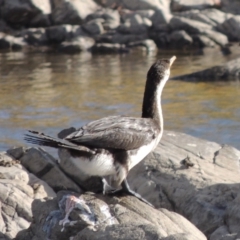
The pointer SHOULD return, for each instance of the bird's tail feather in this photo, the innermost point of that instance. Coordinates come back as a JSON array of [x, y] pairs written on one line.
[[45, 140]]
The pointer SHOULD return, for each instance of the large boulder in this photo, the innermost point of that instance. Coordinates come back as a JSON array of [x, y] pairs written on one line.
[[227, 71], [231, 27], [18, 189], [8, 42], [91, 216], [72, 12], [193, 27], [195, 178], [26, 13], [232, 6], [183, 5]]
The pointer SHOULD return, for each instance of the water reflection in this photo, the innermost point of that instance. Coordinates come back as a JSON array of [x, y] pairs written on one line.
[[49, 92]]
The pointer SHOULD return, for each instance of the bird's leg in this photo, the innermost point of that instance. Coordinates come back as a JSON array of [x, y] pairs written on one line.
[[127, 190]]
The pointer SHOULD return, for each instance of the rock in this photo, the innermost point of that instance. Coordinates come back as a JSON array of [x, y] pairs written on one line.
[[232, 6], [17, 195], [72, 12], [58, 34], [190, 26], [126, 14], [227, 71], [180, 39], [183, 5], [231, 27], [135, 25], [201, 41], [110, 48], [147, 44], [111, 18], [99, 217], [27, 13], [196, 27], [5, 28], [11, 43], [207, 194], [161, 16], [76, 45], [128, 38], [212, 17], [35, 36], [94, 27], [216, 15], [44, 166]]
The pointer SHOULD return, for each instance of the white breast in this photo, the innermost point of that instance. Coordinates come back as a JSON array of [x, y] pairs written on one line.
[[136, 156], [97, 165]]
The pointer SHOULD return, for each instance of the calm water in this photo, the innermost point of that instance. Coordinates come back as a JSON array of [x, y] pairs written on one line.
[[49, 92]]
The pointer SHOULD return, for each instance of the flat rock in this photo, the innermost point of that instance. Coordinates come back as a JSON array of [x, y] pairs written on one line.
[[10, 42], [183, 5], [135, 25], [111, 18], [29, 12], [72, 12], [232, 6], [231, 27], [44, 166], [100, 217], [18, 189], [77, 45], [226, 71], [206, 191]]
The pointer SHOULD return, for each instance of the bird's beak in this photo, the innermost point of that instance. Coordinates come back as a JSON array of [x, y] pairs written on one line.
[[172, 59]]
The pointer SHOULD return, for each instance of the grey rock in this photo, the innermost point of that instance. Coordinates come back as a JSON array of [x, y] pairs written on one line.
[[44, 166], [232, 6], [10, 42], [180, 39], [161, 16], [227, 71], [144, 5], [128, 38], [17, 192], [94, 27], [76, 45], [58, 34], [72, 12], [5, 28], [195, 27], [207, 194], [201, 41], [19, 12], [147, 44], [111, 18], [35, 36], [190, 26], [135, 25], [110, 48], [231, 27], [211, 17], [126, 14], [183, 5], [216, 15], [99, 217]]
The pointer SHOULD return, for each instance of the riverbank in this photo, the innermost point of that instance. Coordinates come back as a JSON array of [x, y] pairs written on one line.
[[193, 183], [117, 26]]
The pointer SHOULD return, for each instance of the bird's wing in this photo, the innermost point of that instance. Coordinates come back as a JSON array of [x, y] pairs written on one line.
[[116, 132]]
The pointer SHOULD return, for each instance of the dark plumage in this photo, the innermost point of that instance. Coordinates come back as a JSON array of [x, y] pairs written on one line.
[[111, 146]]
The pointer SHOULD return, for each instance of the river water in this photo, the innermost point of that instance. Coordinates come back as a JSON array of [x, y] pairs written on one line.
[[49, 92]]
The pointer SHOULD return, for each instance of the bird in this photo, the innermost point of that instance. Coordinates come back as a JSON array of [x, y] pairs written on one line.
[[112, 146]]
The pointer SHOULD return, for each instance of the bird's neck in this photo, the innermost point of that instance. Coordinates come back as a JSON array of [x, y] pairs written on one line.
[[152, 102]]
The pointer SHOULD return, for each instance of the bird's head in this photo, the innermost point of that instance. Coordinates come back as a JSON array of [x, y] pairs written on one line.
[[160, 70]]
